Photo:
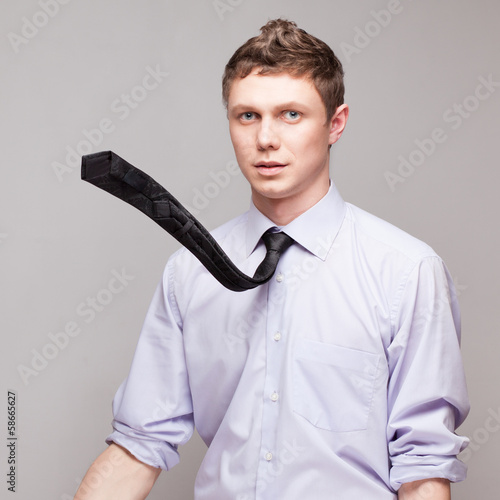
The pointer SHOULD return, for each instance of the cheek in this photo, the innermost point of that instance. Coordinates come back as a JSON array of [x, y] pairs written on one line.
[[310, 151], [243, 147], [241, 141], [243, 158], [309, 142]]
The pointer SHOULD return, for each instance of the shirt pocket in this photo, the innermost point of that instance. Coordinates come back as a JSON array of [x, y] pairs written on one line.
[[333, 385]]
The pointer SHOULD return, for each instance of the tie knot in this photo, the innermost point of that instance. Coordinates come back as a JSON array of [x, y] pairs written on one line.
[[277, 242]]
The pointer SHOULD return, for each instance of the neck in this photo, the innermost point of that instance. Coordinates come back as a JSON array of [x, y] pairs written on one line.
[[282, 211]]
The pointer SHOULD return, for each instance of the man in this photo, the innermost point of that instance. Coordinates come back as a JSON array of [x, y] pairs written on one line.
[[341, 377]]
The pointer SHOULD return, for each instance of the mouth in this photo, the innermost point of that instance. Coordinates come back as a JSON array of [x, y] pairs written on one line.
[[270, 167]]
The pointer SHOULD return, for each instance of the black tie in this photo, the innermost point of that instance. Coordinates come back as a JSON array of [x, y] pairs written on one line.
[[113, 174], [276, 243]]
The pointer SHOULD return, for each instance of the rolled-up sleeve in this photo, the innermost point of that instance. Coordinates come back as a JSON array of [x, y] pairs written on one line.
[[427, 394], [152, 408]]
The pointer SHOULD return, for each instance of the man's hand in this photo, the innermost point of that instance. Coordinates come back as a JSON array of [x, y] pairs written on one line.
[[117, 475], [426, 489]]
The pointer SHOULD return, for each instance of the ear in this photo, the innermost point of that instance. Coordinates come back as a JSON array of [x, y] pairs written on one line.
[[337, 123]]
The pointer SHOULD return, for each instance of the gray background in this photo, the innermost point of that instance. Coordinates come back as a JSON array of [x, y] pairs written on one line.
[[61, 238]]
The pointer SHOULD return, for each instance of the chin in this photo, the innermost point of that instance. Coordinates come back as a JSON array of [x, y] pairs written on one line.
[[274, 194]]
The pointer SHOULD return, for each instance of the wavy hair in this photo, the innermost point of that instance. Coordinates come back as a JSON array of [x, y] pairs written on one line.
[[282, 47]]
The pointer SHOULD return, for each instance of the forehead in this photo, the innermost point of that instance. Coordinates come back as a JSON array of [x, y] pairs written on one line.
[[272, 89]]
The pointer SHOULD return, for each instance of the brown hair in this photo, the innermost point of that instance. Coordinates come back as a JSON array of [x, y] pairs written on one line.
[[282, 47]]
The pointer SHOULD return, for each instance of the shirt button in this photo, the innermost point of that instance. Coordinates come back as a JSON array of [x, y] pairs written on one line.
[[277, 336], [268, 456], [280, 278], [274, 396]]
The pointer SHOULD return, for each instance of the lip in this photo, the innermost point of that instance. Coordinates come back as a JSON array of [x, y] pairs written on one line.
[[269, 167], [269, 164]]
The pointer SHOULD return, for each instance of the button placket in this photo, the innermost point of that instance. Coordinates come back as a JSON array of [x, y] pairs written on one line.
[[275, 350]]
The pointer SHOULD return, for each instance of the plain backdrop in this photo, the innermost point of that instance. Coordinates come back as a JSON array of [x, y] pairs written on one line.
[[420, 150]]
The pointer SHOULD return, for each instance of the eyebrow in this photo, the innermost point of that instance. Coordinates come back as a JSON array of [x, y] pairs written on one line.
[[291, 105]]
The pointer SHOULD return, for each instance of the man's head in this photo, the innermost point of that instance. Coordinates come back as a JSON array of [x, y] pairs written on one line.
[[282, 47], [284, 99]]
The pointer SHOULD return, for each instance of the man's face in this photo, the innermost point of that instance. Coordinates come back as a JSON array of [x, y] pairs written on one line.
[[281, 136]]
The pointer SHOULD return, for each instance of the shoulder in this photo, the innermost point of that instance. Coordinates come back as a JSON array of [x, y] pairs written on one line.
[[187, 279], [230, 236], [384, 237], [233, 228], [396, 262]]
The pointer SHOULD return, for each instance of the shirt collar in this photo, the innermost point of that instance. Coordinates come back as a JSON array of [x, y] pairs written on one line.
[[315, 229]]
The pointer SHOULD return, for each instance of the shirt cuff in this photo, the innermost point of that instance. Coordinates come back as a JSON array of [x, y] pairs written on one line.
[[407, 468], [151, 452]]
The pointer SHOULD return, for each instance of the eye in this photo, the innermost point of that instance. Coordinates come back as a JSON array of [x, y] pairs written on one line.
[[247, 116], [292, 115]]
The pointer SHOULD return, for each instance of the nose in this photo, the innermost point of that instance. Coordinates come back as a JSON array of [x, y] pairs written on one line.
[[267, 136]]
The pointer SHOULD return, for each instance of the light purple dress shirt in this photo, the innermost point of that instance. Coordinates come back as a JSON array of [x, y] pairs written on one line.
[[340, 378]]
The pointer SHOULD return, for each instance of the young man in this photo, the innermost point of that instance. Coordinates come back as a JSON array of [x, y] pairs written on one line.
[[341, 377]]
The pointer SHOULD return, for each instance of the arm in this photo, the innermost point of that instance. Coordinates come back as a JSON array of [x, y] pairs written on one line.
[[426, 489], [151, 418], [117, 475], [427, 395]]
